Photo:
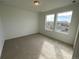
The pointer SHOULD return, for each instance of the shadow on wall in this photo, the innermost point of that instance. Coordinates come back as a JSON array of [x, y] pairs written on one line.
[[35, 48]]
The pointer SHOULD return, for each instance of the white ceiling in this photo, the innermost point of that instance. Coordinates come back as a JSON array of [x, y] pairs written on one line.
[[45, 5]]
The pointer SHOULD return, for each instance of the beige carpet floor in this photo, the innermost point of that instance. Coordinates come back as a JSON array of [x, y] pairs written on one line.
[[36, 47]]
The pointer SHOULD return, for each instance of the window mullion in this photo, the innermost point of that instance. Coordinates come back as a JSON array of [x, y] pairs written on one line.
[[55, 21]]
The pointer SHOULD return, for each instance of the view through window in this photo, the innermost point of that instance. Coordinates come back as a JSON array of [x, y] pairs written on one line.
[[63, 21], [49, 22]]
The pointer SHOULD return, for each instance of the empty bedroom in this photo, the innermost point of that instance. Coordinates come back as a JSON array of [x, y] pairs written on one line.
[[39, 29]]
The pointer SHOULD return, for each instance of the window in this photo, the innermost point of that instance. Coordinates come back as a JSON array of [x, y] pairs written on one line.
[[63, 22], [49, 22]]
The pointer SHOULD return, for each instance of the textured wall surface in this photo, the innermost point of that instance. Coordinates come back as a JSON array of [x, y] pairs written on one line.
[[18, 22], [1, 34]]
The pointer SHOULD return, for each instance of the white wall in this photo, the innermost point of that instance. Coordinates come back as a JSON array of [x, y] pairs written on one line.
[[76, 49], [1, 35], [73, 26], [18, 22], [1, 38]]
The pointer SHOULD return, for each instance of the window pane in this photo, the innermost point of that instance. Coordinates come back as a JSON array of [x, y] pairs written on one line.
[[49, 22], [63, 22]]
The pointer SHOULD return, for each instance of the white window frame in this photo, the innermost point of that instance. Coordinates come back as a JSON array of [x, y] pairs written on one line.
[[55, 21], [69, 24], [46, 22]]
